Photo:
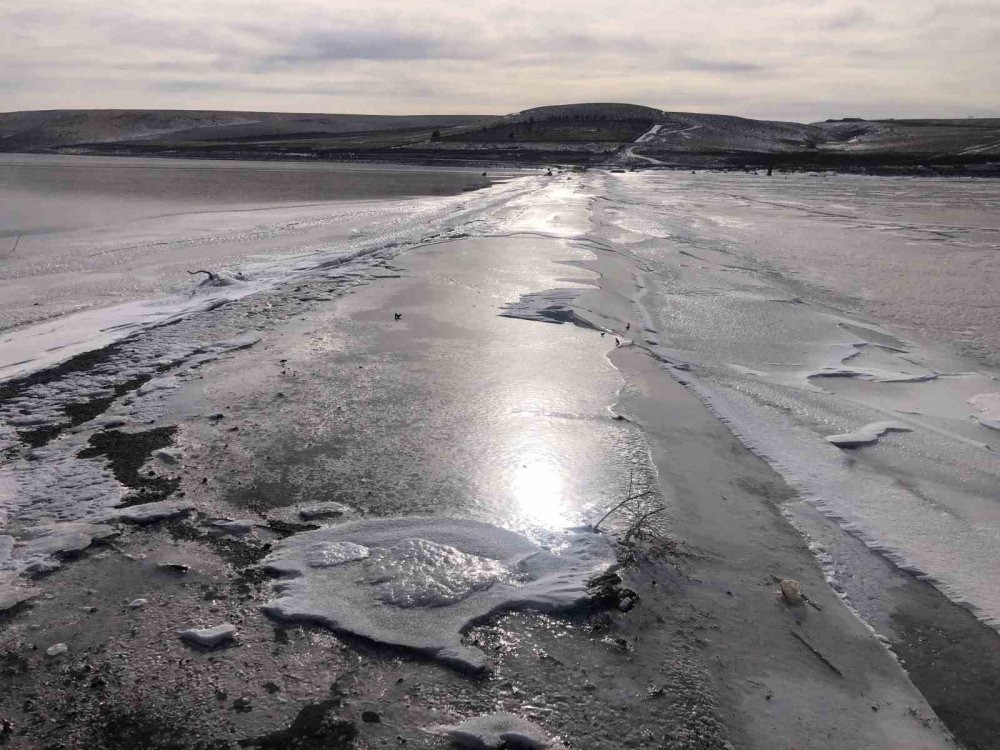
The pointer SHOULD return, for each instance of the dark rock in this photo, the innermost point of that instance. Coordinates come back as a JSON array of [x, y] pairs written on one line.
[[371, 717]]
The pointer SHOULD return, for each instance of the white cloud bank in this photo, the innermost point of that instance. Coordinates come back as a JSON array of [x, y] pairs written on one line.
[[790, 59]]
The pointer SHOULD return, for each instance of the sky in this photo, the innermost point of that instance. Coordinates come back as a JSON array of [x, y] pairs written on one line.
[[802, 60]]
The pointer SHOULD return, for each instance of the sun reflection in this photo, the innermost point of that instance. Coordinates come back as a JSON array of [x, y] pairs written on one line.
[[538, 491]]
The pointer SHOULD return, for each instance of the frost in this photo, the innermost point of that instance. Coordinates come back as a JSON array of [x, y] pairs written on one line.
[[426, 580], [495, 731]]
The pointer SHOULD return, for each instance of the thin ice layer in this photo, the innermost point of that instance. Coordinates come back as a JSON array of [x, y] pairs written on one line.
[[428, 579]]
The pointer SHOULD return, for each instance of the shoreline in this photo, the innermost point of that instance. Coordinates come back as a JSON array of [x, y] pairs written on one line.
[[749, 163], [721, 575]]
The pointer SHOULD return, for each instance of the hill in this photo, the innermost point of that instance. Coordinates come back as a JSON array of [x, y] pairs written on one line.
[[589, 133], [97, 129]]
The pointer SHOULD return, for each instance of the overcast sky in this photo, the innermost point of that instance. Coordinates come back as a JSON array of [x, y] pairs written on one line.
[[788, 59]]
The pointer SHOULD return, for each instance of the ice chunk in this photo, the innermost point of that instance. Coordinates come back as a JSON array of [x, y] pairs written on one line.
[[988, 406], [495, 731], [867, 435], [168, 455], [427, 580], [62, 538], [158, 384], [142, 514], [876, 374], [10, 596], [550, 306], [324, 510], [236, 528], [209, 637]]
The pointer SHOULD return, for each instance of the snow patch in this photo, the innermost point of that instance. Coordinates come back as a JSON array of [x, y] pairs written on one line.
[[425, 581]]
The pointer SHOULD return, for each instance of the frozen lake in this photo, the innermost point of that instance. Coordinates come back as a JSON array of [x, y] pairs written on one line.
[[803, 306]]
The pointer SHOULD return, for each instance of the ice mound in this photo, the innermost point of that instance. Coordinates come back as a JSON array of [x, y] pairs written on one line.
[[421, 582], [494, 731], [419, 573], [988, 406], [328, 554], [867, 435]]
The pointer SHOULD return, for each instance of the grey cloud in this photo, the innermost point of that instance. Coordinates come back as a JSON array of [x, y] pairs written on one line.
[[851, 18], [717, 66]]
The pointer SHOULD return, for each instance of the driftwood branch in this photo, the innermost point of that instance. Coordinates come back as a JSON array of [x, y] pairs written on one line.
[[640, 512], [211, 276]]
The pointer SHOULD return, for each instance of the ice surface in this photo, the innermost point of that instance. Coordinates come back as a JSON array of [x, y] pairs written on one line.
[[495, 731], [209, 637], [426, 580], [866, 435], [988, 407]]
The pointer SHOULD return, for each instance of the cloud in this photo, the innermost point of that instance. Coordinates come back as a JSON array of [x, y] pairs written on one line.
[[786, 59]]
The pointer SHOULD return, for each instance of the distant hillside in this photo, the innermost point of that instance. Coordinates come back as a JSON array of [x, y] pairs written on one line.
[[568, 123], [30, 131], [589, 133]]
